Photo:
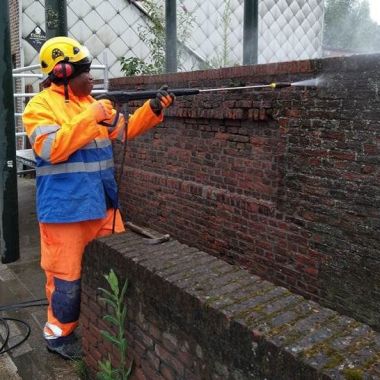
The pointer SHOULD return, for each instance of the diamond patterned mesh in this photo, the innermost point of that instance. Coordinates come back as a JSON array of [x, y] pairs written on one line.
[[288, 30]]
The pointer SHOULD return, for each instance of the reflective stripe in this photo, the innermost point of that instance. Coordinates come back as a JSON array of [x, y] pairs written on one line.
[[46, 147], [56, 330], [98, 143], [74, 167], [43, 130]]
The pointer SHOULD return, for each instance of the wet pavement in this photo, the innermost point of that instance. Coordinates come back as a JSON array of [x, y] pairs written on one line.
[[23, 281]]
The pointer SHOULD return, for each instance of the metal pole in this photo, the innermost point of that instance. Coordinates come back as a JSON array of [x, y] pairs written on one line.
[[9, 234], [250, 32], [171, 36], [55, 18]]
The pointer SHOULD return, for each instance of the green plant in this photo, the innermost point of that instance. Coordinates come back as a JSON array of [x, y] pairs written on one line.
[[221, 58], [135, 66], [81, 369], [115, 300], [153, 35]]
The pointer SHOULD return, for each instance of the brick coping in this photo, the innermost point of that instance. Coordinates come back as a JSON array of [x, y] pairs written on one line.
[[272, 332]]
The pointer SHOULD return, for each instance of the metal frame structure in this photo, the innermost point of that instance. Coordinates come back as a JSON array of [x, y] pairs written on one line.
[[9, 232]]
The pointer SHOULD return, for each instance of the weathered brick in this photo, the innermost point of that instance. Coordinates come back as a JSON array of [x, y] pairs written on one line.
[[169, 360], [173, 334], [291, 197]]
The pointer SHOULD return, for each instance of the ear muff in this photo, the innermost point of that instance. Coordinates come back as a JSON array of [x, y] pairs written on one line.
[[63, 70]]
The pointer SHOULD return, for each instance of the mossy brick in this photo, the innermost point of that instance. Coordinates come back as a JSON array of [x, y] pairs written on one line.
[[189, 269], [343, 91], [279, 343], [231, 276], [184, 268], [194, 282], [308, 341], [188, 254], [302, 326], [168, 258], [200, 283], [232, 287], [272, 313], [233, 283], [239, 308], [220, 300], [146, 251], [347, 339]]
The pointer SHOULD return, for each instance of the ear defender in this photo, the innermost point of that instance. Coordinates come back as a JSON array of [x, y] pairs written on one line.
[[63, 70]]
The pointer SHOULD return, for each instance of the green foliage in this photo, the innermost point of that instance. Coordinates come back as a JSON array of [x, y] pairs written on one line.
[[135, 66], [353, 374], [221, 58], [81, 369], [115, 299], [153, 35], [348, 25]]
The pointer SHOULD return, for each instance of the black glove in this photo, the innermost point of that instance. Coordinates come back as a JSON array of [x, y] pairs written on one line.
[[162, 100]]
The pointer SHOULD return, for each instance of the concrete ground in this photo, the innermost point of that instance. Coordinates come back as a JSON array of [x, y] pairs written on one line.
[[23, 281]]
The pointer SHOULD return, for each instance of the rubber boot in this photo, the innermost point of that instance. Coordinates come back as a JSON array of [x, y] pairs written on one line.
[[68, 347]]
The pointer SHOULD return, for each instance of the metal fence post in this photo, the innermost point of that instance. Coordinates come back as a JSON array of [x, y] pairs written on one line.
[[9, 233], [250, 33], [55, 18], [171, 36]]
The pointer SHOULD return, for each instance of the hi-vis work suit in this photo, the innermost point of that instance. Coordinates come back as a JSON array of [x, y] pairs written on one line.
[[76, 190]]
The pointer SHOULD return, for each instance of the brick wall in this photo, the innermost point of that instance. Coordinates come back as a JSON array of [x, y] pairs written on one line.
[[191, 316], [283, 182]]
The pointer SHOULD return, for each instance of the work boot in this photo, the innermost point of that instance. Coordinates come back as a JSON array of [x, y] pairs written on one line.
[[68, 347]]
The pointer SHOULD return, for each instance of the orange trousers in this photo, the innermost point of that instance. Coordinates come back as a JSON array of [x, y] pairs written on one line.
[[62, 248]]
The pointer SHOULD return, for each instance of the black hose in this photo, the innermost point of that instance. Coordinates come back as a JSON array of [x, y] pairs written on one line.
[[40, 302], [3, 350], [4, 322]]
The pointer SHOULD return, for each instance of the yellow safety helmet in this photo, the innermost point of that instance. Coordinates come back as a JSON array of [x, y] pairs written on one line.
[[59, 49]]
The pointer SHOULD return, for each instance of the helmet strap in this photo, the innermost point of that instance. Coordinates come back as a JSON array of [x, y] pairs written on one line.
[[65, 83]]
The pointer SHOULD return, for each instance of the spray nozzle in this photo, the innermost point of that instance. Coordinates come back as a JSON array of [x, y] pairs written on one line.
[[280, 85]]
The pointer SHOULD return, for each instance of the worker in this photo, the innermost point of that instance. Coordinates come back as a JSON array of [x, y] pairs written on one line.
[[76, 192]]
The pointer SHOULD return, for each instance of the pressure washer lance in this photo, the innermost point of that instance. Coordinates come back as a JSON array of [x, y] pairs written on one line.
[[126, 96]]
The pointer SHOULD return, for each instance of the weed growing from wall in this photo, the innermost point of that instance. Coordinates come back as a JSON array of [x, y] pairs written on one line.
[[115, 300]]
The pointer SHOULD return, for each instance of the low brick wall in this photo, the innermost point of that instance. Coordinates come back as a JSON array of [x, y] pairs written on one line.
[[282, 182], [193, 316]]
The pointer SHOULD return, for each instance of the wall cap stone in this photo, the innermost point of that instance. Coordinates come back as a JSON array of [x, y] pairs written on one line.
[[266, 329]]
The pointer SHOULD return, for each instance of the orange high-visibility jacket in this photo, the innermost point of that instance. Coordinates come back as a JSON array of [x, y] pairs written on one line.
[[75, 169]]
